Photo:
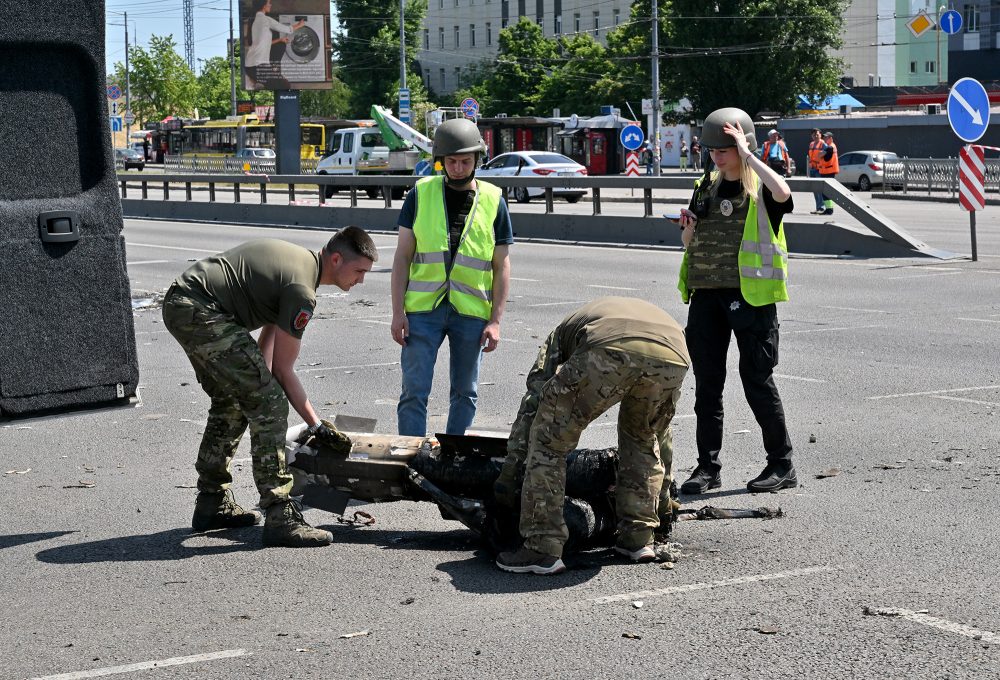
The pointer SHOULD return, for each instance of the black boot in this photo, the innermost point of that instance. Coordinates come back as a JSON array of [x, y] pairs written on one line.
[[702, 480], [286, 527], [775, 476], [220, 511]]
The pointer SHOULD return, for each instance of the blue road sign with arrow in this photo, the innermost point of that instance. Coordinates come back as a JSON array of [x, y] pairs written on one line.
[[951, 22], [631, 137], [968, 109]]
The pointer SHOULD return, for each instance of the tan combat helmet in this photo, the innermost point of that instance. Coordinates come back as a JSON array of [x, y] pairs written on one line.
[[712, 135]]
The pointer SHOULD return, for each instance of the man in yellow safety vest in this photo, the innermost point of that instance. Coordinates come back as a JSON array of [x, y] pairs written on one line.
[[450, 278]]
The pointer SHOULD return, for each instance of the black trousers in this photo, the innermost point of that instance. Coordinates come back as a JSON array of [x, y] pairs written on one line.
[[714, 316]]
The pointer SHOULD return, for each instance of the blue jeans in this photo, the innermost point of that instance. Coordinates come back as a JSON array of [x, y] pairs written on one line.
[[814, 172], [427, 332]]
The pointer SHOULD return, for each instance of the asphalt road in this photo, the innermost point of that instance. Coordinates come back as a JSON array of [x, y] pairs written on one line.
[[888, 373]]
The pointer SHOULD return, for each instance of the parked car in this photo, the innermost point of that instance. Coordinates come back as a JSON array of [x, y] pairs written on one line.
[[536, 164], [864, 169], [256, 156], [129, 158]]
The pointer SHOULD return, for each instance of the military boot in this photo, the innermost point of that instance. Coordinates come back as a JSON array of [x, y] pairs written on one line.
[[285, 526], [220, 511]]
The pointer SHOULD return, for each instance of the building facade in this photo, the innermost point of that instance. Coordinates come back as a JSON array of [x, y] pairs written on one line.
[[459, 34]]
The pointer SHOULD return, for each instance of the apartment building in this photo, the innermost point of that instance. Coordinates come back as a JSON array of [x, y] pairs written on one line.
[[460, 33]]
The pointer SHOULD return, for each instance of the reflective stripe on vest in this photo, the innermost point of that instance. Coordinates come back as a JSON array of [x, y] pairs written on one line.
[[468, 280], [763, 257]]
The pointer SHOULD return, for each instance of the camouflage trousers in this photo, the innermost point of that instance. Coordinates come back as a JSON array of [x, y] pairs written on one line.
[[231, 369], [560, 402]]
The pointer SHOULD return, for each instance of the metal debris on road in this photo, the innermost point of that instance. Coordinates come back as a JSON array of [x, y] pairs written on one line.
[[360, 517], [81, 485], [18, 472], [637, 604], [832, 472], [887, 466], [710, 512], [360, 633], [631, 636], [667, 552], [767, 630]]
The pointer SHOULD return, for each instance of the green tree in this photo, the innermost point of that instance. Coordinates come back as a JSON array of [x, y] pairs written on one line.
[[331, 103], [523, 61], [754, 54], [367, 50], [160, 81], [580, 80]]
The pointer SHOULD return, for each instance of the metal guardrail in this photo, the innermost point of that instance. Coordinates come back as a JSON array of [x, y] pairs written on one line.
[[928, 175], [218, 165]]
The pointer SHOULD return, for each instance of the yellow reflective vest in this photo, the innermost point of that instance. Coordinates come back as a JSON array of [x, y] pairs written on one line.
[[763, 258], [468, 281]]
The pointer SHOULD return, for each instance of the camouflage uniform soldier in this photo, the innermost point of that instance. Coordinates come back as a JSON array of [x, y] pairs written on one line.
[[609, 351], [211, 309]]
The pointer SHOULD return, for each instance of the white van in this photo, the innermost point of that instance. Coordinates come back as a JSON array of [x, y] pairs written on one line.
[[352, 149]]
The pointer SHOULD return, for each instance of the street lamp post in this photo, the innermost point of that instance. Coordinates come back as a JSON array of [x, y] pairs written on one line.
[[232, 63], [128, 90], [654, 132]]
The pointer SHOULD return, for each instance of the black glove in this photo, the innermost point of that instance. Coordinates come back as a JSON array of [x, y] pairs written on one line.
[[326, 435]]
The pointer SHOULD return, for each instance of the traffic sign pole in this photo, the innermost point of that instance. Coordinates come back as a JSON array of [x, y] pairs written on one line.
[[971, 186]]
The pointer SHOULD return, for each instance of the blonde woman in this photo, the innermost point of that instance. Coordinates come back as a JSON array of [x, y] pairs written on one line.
[[734, 271]]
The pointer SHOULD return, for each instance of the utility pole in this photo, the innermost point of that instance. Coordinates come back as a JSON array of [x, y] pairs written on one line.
[[128, 91], [402, 46], [937, 30], [655, 128], [232, 63]]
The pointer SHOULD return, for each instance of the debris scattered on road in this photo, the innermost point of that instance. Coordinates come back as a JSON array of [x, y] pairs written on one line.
[[302, 649], [767, 630], [360, 517], [81, 485], [812, 439], [631, 636], [667, 565], [18, 472], [832, 472], [361, 302], [667, 552], [360, 633], [637, 604], [887, 466], [710, 512], [742, 432], [185, 486], [409, 600]]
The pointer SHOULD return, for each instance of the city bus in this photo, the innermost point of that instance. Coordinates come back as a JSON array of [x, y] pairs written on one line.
[[223, 138]]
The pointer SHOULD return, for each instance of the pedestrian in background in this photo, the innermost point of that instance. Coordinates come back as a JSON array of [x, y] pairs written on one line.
[[612, 350], [816, 149], [210, 310], [696, 154], [683, 156], [450, 278], [734, 271], [774, 152], [829, 166]]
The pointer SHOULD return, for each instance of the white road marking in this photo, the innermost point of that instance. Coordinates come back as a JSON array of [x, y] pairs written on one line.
[[242, 460], [514, 278], [965, 318], [922, 276], [340, 368], [941, 624], [856, 309], [352, 318], [925, 394], [798, 377], [147, 665], [611, 287], [552, 304], [691, 587], [967, 401], [836, 328], [147, 262], [383, 323], [189, 250]]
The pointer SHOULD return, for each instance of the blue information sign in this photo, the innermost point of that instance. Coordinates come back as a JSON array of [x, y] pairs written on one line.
[[631, 137], [951, 22], [404, 104], [116, 123], [968, 109], [470, 107]]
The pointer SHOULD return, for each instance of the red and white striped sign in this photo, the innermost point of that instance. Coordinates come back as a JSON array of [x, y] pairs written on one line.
[[971, 173], [632, 165]]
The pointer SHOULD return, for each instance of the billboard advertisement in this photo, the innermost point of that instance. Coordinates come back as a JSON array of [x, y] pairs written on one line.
[[285, 44]]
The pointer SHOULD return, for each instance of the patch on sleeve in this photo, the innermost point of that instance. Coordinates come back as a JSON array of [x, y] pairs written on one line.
[[302, 319]]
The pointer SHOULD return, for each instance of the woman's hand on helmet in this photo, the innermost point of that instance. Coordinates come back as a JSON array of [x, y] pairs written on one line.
[[736, 132]]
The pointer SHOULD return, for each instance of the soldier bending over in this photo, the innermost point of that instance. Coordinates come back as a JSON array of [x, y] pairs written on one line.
[[609, 351], [210, 309]]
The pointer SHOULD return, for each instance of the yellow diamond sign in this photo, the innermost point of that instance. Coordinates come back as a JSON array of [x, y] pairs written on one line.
[[920, 24]]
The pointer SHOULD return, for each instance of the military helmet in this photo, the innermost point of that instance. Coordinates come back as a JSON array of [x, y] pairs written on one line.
[[458, 135], [712, 135]]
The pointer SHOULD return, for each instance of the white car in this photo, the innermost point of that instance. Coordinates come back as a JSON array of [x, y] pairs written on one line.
[[536, 164], [863, 169]]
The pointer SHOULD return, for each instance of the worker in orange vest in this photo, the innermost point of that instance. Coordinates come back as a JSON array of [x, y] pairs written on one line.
[[816, 148], [774, 152], [828, 164]]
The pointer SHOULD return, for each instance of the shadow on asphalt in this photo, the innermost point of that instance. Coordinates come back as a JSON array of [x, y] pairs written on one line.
[[20, 539], [479, 574], [459, 539], [161, 546]]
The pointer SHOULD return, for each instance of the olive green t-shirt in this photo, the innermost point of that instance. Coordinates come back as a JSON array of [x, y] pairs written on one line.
[[625, 323], [259, 283]]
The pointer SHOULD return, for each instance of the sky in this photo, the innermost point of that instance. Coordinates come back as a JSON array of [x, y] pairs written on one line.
[[166, 17]]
